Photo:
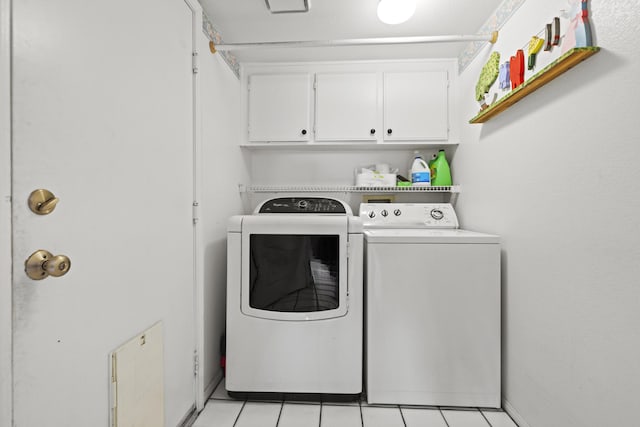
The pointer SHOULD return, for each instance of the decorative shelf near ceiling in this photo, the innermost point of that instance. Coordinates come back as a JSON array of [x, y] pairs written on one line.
[[344, 189], [567, 61]]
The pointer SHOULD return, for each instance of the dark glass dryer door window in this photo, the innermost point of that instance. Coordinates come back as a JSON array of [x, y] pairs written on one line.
[[294, 273], [294, 267]]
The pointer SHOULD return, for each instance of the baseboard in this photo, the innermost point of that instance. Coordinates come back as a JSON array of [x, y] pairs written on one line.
[[509, 409], [190, 417]]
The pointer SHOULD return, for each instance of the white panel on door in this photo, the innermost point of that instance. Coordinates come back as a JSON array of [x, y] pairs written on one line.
[[346, 107], [279, 107], [137, 381], [416, 106]]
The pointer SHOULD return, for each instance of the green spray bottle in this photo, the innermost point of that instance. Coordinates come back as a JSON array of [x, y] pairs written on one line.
[[440, 170]]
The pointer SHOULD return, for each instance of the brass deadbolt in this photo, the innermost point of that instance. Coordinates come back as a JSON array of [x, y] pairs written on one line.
[[42, 264], [42, 202]]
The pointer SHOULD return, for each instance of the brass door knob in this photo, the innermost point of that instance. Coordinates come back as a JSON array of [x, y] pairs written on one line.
[[42, 202], [42, 264]]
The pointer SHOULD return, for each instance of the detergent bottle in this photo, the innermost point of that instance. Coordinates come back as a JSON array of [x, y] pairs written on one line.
[[433, 159], [420, 173], [440, 171]]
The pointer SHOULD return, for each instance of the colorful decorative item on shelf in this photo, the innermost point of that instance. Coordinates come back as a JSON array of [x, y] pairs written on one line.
[[552, 37], [558, 67], [579, 32], [504, 81], [535, 45], [516, 69], [488, 76], [556, 31]]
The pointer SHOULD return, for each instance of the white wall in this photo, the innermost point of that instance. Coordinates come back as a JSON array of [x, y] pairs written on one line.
[[556, 176], [224, 167]]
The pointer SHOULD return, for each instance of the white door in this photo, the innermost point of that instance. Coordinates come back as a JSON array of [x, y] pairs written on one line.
[[416, 106], [103, 118], [347, 107], [280, 107]]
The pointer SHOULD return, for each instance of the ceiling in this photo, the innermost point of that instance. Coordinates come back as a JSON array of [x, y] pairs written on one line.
[[245, 21]]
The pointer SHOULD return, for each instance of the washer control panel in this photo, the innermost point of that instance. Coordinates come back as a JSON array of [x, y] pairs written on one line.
[[408, 215], [311, 205]]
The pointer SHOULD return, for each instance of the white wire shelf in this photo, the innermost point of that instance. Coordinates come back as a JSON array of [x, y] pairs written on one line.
[[344, 189]]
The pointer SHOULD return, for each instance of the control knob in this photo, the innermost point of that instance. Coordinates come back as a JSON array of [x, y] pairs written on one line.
[[437, 214], [384, 213], [372, 214], [397, 212]]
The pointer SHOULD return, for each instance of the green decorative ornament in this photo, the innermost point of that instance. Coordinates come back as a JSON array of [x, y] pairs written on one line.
[[488, 76]]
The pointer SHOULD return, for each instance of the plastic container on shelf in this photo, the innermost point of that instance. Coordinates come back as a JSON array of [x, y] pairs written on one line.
[[433, 159], [420, 173], [440, 170]]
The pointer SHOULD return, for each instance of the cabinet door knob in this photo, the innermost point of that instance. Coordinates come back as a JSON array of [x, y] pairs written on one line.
[[373, 131], [304, 131], [389, 131]]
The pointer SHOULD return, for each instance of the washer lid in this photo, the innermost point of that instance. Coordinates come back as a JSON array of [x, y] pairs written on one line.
[[406, 235]]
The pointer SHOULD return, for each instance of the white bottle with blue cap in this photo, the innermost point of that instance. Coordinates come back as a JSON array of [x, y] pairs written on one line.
[[420, 173]]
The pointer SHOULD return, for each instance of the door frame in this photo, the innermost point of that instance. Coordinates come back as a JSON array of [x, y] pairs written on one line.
[[198, 249], [6, 279]]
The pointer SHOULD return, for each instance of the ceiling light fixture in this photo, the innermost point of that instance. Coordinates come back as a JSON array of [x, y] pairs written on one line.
[[396, 11]]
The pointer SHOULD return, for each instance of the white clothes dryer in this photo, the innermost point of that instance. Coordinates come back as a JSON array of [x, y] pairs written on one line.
[[432, 308], [294, 300]]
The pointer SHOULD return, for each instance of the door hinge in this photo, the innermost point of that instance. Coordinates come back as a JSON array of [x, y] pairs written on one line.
[[195, 212], [196, 364], [194, 62]]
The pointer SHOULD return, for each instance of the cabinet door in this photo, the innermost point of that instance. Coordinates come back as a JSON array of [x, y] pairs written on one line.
[[416, 106], [279, 107], [346, 107]]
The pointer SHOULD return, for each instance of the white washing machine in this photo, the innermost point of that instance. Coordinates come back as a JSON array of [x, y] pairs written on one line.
[[432, 298], [294, 300]]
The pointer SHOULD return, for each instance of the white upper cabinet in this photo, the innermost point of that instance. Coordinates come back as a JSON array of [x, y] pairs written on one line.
[[416, 106], [349, 104], [279, 107], [346, 107]]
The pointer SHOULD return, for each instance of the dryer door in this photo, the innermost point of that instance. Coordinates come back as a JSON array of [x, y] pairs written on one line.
[[294, 267]]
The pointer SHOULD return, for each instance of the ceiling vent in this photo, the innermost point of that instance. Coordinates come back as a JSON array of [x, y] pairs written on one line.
[[287, 6]]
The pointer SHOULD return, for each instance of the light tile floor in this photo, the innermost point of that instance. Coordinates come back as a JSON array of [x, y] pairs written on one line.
[[222, 411]]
